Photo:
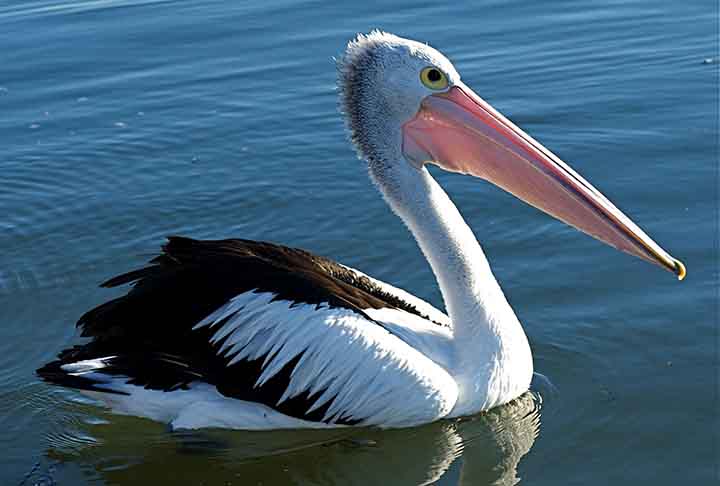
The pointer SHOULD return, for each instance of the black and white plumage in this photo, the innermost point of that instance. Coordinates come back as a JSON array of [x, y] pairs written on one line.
[[252, 335], [257, 322]]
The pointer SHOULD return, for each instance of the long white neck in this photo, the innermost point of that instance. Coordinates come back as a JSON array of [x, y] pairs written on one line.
[[493, 363]]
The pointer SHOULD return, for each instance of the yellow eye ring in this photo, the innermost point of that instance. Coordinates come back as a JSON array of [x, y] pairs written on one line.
[[433, 78]]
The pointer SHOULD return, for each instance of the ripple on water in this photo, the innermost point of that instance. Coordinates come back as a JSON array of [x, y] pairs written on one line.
[[117, 448], [42, 8]]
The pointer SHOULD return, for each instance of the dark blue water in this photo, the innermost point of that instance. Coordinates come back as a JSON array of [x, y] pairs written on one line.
[[125, 121]]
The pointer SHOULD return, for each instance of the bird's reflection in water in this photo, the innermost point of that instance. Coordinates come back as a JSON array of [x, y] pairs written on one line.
[[484, 449]]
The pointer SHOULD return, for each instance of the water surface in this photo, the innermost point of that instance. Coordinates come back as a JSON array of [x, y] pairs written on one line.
[[125, 121]]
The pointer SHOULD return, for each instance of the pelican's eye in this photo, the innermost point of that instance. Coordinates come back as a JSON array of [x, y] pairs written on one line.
[[433, 78]]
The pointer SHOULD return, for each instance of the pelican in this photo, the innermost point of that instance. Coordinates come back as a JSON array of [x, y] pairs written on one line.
[[254, 335]]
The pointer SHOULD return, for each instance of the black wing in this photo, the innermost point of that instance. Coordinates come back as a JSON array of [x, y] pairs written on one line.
[[149, 331]]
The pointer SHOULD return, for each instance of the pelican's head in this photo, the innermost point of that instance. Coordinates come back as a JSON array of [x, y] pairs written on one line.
[[383, 80], [404, 103]]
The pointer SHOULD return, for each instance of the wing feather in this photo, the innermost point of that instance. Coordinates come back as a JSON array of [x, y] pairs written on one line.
[[269, 324], [337, 367]]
